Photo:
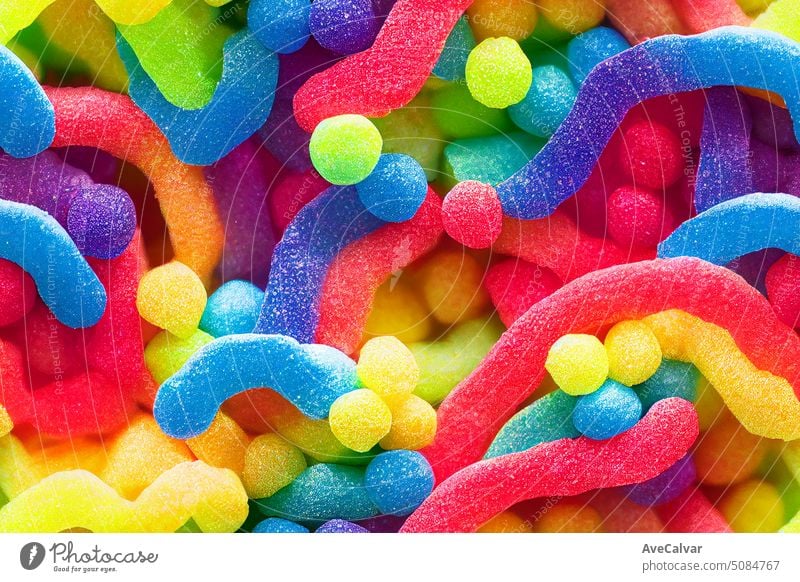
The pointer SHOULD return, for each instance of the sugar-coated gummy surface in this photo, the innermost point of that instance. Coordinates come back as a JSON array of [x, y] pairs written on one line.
[[127, 12], [101, 220], [282, 25], [515, 285], [343, 26], [340, 526], [737, 227], [6, 424], [547, 102], [472, 214], [63, 278], [270, 464], [480, 491], [172, 297], [398, 481], [490, 159], [17, 293], [311, 376], [672, 378], [692, 512], [659, 66], [386, 366], [223, 445], [633, 353], [345, 149], [607, 412], [239, 106], [278, 525], [665, 487], [166, 353], [387, 75], [781, 283], [86, 116], [395, 189], [578, 363], [572, 16], [638, 217], [588, 304], [359, 419], [213, 498], [413, 423], [498, 72], [27, 122], [233, 308], [591, 48], [548, 419], [453, 59], [514, 18]]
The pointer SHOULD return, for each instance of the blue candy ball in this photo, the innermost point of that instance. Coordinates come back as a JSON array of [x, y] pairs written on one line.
[[344, 26], [398, 481], [231, 309], [587, 50], [395, 189], [548, 102], [611, 410], [673, 378], [665, 487], [278, 525], [280, 25]]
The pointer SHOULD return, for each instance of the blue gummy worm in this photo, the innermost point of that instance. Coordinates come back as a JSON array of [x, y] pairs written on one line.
[[731, 55], [240, 105], [310, 376], [27, 118], [737, 227], [35, 241], [327, 224]]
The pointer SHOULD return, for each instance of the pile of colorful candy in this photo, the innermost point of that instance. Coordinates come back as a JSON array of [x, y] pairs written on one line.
[[399, 265]]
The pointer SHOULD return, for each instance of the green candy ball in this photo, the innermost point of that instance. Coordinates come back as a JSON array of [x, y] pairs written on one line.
[[345, 149], [498, 73]]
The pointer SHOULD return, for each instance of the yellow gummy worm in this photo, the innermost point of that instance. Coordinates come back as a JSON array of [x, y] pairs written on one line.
[[214, 498], [765, 404], [132, 11], [16, 15]]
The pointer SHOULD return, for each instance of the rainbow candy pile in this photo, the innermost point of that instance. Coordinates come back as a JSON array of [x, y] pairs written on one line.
[[357, 266]]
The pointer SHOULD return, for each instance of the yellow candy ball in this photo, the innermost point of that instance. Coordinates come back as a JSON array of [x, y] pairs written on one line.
[[386, 366], [512, 18], [359, 419], [452, 283], [634, 353], [270, 464], [573, 16], [578, 363], [413, 423], [165, 354], [172, 297], [506, 522], [222, 445], [498, 73], [753, 507]]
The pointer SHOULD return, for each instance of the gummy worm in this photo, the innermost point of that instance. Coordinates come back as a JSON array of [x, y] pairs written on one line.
[[36, 242], [311, 376], [91, 117], [474, 412], [564, 467], [387, 75], [736, 227], [127, 12], [214, 498], [660, 66], [27, 120]]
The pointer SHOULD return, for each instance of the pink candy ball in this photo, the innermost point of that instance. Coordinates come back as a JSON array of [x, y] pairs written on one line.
[[472, 214]]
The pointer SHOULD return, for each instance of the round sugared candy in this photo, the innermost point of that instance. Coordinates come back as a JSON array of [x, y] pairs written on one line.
[[395, 189], [343, 26], [345, 149], [587, 50], [573, 16], [672, 378], [652, 155], [339, 526], [359, 419], [413, 423], [498, 73], [609, 411], [166, 353], [666, 486], [101, 220], [280, 25], [638, 217], [753, 506], [472, 214], [270, 464], [386, 366], [233, 308], [634, 353], [548, 101], [278, 525], [172, 297], [578, 363], [398, 481], [513, 18], [17, 292]]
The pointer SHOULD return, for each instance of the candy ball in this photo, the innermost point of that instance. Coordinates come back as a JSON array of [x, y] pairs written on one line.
[[513, 18], [101, 220], [672, 378], [345, 149], [270, 464], [587, 50], [280, 25], [652, 155], [386, 366], [359, 419], [472, 214], [753, 506], [498, 73], [573, 16], [665, 487], [395, 189], [413, 423], [638, 217], [578, 363], [634, 353], [547, 103], [609, 411], [278, 525], [398, 481], [343, 26], [166, 353], [451, 282], [172, 297], [233, 308]]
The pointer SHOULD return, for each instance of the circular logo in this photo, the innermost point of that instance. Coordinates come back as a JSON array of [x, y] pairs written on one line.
[[31, 555]]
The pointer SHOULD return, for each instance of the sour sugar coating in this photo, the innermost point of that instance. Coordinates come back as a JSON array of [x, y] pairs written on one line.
[[280, 526], [345, 149], [578, 363], [651, 154], [493, 18], [166, 353], [547, 102], [281, 26], [610, 410], [413, 423], [232, 309], [173, 298], [343, 26], [782, 282], [102, 221], [638, 217], [634, 353], [359, 419], [453, 60], [223, 445], [665, 487], [27, 121], [672, 378], [515, 285], [386, 366], [311, 376], [270, 464], [587, 50], [395, 189], [472, 214], [498, 73], [17, 293], [340, 526], [398, 481]]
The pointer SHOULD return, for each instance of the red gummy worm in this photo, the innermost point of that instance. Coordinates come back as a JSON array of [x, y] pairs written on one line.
[[478, 407], [361, 267], [692, 512], [564, 467], [387, 75], [86, 116], [704, 15]]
